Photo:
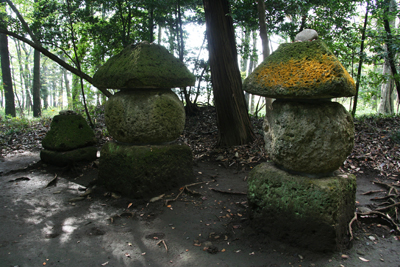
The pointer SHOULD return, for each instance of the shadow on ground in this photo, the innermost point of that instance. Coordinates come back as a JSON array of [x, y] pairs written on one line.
[[51, 225]]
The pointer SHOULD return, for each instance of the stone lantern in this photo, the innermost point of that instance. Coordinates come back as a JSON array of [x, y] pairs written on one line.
[[144, 117], [300, 197]]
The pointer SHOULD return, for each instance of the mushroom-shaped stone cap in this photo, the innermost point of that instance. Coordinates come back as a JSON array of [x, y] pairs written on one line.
[[301, 70], [143, 66]]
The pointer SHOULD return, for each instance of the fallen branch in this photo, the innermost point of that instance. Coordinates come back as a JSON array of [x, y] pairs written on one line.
[[53, 182], [372, 192], [228, 192], [386, 217], [350, 223], [183, 188], [388, 207], [391, 187], [165, 245]]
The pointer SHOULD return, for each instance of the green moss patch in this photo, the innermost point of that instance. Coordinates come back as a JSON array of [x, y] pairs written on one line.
[[68, 132], [312, 213], [143, 66], [144, 171]]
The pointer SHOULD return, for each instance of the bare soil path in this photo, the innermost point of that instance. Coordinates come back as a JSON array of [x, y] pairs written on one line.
[[207, 226]]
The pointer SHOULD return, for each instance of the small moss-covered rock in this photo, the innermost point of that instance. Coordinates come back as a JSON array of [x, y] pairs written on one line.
[[311, 213], [144, 171], [68, 132], [145, 116], [143, 65], [306, 70], [312, 138], [67, 157]]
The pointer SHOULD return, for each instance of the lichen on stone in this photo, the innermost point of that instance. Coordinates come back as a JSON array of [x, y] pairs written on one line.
[[143, 65], [301, 70]]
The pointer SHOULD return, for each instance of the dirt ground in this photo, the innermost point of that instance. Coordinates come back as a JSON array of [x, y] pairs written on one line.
[[46, 224]]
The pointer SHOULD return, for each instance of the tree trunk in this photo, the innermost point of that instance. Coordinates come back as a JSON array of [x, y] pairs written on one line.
[[353, 113], [6, 74], [389, 7], [36, 85], [265, 46], [234, 126], [386, 105]]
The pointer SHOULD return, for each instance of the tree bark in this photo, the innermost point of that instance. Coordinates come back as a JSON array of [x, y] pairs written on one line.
[[265, 45], [353, 113], [234, 126], [389, 46], [6, 74], [36, 84], [386, 105]]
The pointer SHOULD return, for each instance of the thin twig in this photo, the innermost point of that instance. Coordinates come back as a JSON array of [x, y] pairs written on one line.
[[350, 223], [388, 207], [165, 244], [372, 192], [228, 192], [384, 216]]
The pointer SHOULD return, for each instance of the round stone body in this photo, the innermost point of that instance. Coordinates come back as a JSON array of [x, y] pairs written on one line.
[[309, 138], [145, 116]]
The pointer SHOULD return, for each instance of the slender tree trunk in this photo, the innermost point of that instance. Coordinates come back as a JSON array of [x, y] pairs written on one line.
[[386, 104], [265, 46], [361, 60], [6, 74], [388, 8], [234, 126], [36, 85]]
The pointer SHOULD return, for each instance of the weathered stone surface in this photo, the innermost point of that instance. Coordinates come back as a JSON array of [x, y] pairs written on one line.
[[143, 65], [67, 157], [310, 138], [306, 35], [145, 116], [144, 171], [311, 213], [68, 132], [301, 70]]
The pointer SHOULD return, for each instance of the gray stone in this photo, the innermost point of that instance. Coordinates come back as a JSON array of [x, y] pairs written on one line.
[[67, 157], [68, 132], [145, 116], [309, 138], [306, 35], [144, 171], [301, 70], [311, 213], [143, 65]]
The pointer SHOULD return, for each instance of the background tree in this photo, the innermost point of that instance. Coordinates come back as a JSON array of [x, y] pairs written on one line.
[[234, 127]]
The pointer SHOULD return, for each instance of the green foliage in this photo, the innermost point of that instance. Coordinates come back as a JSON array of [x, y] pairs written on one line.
[[12, 125]]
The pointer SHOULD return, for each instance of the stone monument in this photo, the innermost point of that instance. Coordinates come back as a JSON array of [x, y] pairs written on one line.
[[69, 140], [144, 117], [300, 197]]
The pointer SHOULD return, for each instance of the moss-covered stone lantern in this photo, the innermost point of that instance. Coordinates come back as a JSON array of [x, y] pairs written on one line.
[[144, 117], [300, 197]]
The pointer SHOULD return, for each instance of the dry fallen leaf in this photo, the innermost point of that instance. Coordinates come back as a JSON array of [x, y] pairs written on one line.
[[130, 204]]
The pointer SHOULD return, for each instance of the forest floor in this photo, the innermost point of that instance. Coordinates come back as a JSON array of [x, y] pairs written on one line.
[[46, 221]]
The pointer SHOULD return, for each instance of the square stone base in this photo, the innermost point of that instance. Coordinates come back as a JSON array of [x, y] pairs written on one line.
[[144, 171], [63, 158], [306, 212]]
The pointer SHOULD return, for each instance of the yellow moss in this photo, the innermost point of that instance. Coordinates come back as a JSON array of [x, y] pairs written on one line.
[[305, 73]]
